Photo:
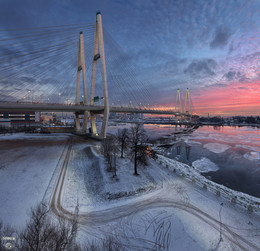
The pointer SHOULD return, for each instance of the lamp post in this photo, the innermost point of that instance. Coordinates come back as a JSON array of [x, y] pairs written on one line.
[[59, 96], [29, 96], [220, 223]]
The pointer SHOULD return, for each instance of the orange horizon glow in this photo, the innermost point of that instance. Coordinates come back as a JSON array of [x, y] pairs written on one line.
[[242, 99], [234, 99]]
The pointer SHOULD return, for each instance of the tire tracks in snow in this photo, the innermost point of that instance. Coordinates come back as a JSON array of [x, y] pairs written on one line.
[[100, 217]]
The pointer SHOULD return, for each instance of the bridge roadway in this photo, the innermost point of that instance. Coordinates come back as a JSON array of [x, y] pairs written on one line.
[[41, 107]]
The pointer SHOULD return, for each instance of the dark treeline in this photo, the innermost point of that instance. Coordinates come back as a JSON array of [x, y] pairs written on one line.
[[231, 120]]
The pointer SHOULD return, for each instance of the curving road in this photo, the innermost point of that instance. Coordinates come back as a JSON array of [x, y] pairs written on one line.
[[101, 217]]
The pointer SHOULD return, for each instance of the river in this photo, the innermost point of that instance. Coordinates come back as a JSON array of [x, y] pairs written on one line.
[[226, 155]]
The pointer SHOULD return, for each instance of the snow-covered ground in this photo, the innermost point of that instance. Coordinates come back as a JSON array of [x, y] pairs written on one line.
[[159, 209], [165, 207], [27, 165]]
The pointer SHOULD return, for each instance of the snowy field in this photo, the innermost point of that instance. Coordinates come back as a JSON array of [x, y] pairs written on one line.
[[160, 209], [27, 165]]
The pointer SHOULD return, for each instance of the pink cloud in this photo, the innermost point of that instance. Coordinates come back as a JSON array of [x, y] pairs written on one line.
[[234, 99]]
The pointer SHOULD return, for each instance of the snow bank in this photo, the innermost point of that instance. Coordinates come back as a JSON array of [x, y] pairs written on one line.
[[204, 165], [216, 147]]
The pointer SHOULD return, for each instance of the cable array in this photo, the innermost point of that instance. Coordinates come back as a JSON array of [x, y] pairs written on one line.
[[125, 86], [40, 64]]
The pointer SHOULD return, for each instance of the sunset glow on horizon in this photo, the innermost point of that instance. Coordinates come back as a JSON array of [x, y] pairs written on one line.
[[234, 99]]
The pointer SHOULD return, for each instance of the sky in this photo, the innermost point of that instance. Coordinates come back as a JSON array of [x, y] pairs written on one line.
[[211, 47]]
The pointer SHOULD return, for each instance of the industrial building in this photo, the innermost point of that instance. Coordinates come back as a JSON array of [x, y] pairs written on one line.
[[19, 119]]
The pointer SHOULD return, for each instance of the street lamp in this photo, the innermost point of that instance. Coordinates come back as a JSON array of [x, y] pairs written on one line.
[[32, 95], [59, 96], [29, 96], [220, 223]]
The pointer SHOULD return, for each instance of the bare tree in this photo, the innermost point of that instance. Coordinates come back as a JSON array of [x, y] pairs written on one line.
[[109, 149], [122, 138], [114, 160], [137, 138], [44, 233], [109, 243], [106, 151], [7, 237]]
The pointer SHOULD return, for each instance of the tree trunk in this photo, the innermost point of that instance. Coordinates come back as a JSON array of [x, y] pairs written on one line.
[[122, 151], [114, 164], [136, 162]]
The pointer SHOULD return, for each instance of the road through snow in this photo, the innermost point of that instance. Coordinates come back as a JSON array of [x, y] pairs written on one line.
[[159, 199]]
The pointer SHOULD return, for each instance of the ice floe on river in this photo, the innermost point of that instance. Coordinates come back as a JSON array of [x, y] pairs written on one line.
[[216, 147], [252, 156], [252, 148], [204, 165]]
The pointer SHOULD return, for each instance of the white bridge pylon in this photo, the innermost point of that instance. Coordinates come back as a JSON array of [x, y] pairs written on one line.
[[99, 53], [187, 106]]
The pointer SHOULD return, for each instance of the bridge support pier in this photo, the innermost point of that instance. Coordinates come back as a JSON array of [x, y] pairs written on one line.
[[93, 124], [85, 121], [77, 122]]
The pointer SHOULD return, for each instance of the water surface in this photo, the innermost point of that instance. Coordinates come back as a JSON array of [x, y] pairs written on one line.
[[235, 151]]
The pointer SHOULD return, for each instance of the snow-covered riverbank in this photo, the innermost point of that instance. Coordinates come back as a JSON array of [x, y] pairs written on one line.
[[162, 208], [131, 208]]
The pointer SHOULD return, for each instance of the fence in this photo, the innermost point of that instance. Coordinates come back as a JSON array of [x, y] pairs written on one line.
[[185, 171]]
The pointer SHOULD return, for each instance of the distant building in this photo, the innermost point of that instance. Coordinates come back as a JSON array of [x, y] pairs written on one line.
[[17, 119], [5, 122]]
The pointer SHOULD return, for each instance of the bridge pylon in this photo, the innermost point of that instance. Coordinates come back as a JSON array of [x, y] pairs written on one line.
[[99, 53], [178, 106], [187, 107], [81, 67]]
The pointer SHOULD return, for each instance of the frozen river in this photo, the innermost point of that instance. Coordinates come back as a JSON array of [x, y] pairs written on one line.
[[228, 155]]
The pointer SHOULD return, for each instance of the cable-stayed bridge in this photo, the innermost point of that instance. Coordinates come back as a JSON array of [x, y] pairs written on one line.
[[42, 70]]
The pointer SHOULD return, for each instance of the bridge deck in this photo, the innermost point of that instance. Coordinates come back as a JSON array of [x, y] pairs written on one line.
[[39, 107]]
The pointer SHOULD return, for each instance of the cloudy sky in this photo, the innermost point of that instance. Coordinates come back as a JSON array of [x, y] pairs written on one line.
[[211, 47]]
